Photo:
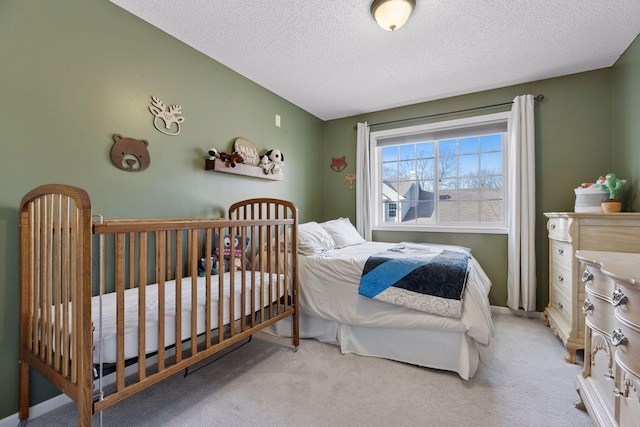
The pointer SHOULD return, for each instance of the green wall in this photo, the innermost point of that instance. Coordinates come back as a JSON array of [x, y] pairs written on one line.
[[626, 122], [573, 145], [73, 73]]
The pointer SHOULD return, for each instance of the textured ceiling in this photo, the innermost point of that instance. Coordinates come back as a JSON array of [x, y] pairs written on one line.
[[330, 58]]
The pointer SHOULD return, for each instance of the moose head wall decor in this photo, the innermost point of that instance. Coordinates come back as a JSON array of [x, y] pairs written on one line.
[[159, 110]]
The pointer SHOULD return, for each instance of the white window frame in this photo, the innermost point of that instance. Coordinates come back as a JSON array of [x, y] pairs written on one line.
[[376, 178]]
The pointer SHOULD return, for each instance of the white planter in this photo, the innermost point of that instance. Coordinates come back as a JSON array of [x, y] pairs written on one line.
[[588, 199]]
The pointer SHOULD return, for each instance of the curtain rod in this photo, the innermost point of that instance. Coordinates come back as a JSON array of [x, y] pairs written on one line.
[[539, 97]]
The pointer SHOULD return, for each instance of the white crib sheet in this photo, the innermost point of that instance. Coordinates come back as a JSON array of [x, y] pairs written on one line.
[[104, 318]]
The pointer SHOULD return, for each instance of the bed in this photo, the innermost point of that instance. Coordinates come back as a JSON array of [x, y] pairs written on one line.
[[331, 258], [87, 284]]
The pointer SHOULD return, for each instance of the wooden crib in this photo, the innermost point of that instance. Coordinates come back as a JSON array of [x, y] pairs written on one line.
[[87, 283]]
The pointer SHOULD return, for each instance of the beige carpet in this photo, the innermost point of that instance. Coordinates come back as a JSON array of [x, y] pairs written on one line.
[[265, 383]]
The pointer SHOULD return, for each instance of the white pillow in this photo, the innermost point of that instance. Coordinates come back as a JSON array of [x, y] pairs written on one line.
[[342, 232], [313, 239]]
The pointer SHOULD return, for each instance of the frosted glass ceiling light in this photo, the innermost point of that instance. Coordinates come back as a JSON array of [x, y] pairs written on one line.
[[392, 14]]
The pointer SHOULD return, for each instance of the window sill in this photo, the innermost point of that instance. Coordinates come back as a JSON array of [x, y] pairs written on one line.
[[443, 229]]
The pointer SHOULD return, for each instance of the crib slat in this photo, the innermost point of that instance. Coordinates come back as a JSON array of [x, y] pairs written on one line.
[[142, 303], [178, 312], [65, 235], [47, 285], [57, 282], [34, 255], [131, 253], [161, 260], [221, 269], [243, 279], [232, 283], [75, 265], [208, 238], [119, 278], [193, 249], [252, 318], [167, 260]]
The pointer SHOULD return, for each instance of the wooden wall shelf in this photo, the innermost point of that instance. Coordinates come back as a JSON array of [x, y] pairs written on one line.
[[241, 169]]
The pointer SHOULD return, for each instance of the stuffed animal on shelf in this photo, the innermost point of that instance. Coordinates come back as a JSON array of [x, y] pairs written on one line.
[[272, 161], [232, 159], [232, 254], [213, 154], [265, 164]]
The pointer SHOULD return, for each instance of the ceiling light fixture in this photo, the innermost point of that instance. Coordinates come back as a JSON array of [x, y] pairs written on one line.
[[392, 14]]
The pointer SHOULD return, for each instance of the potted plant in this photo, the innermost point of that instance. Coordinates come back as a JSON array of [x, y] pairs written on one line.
[[612, 184]]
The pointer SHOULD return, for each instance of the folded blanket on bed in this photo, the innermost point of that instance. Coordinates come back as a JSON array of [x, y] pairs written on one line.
[[430, 278]]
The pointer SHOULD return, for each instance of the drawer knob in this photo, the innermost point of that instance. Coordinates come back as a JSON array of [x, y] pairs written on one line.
[[560, 251], [560, 306], [587, 307], [618, 338], [618, 298], [587, 276], [560, 278], [552, 226]]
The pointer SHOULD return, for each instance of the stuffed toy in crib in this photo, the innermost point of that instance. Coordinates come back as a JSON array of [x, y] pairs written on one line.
[[238, 260], [233, 256]]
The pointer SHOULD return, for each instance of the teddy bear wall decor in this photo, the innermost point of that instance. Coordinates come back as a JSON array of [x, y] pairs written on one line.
[[170, 116], [130, 154]]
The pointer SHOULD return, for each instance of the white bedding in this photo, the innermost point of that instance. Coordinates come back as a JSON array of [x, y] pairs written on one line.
[[332, 311], [106, 353]]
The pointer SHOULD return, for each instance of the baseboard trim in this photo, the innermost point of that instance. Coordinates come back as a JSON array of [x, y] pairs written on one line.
[[37, 410], [62, 399], [506, 310]]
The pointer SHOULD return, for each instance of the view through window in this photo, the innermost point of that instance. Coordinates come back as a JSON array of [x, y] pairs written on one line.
[[448, 174]]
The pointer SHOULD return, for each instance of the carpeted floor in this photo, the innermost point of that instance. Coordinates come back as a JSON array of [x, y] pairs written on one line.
[[265, 383]]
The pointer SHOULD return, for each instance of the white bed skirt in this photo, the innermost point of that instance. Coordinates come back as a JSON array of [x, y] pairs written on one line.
[[446, 350]]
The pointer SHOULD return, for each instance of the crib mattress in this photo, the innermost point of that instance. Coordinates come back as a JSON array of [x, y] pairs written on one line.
[[103, 310]]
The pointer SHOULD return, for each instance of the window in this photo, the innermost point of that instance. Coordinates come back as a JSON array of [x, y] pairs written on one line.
[[445, 176]]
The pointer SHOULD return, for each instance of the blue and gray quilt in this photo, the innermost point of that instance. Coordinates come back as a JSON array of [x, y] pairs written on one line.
[[425, 277]]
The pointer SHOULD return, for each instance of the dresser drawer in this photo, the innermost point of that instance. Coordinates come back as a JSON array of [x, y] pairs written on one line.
[[600, 314], [561, 252], [560, 276], [627, 352], [603, 370], [629, 308], [595, 281], [561, 304], [559, 228], [629, 386]]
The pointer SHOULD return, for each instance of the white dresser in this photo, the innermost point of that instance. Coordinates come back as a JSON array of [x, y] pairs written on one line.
[[609, 386], [569, 232]]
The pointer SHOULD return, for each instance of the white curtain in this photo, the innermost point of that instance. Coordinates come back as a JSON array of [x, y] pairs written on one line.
[[363, 181], [521, 275]]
